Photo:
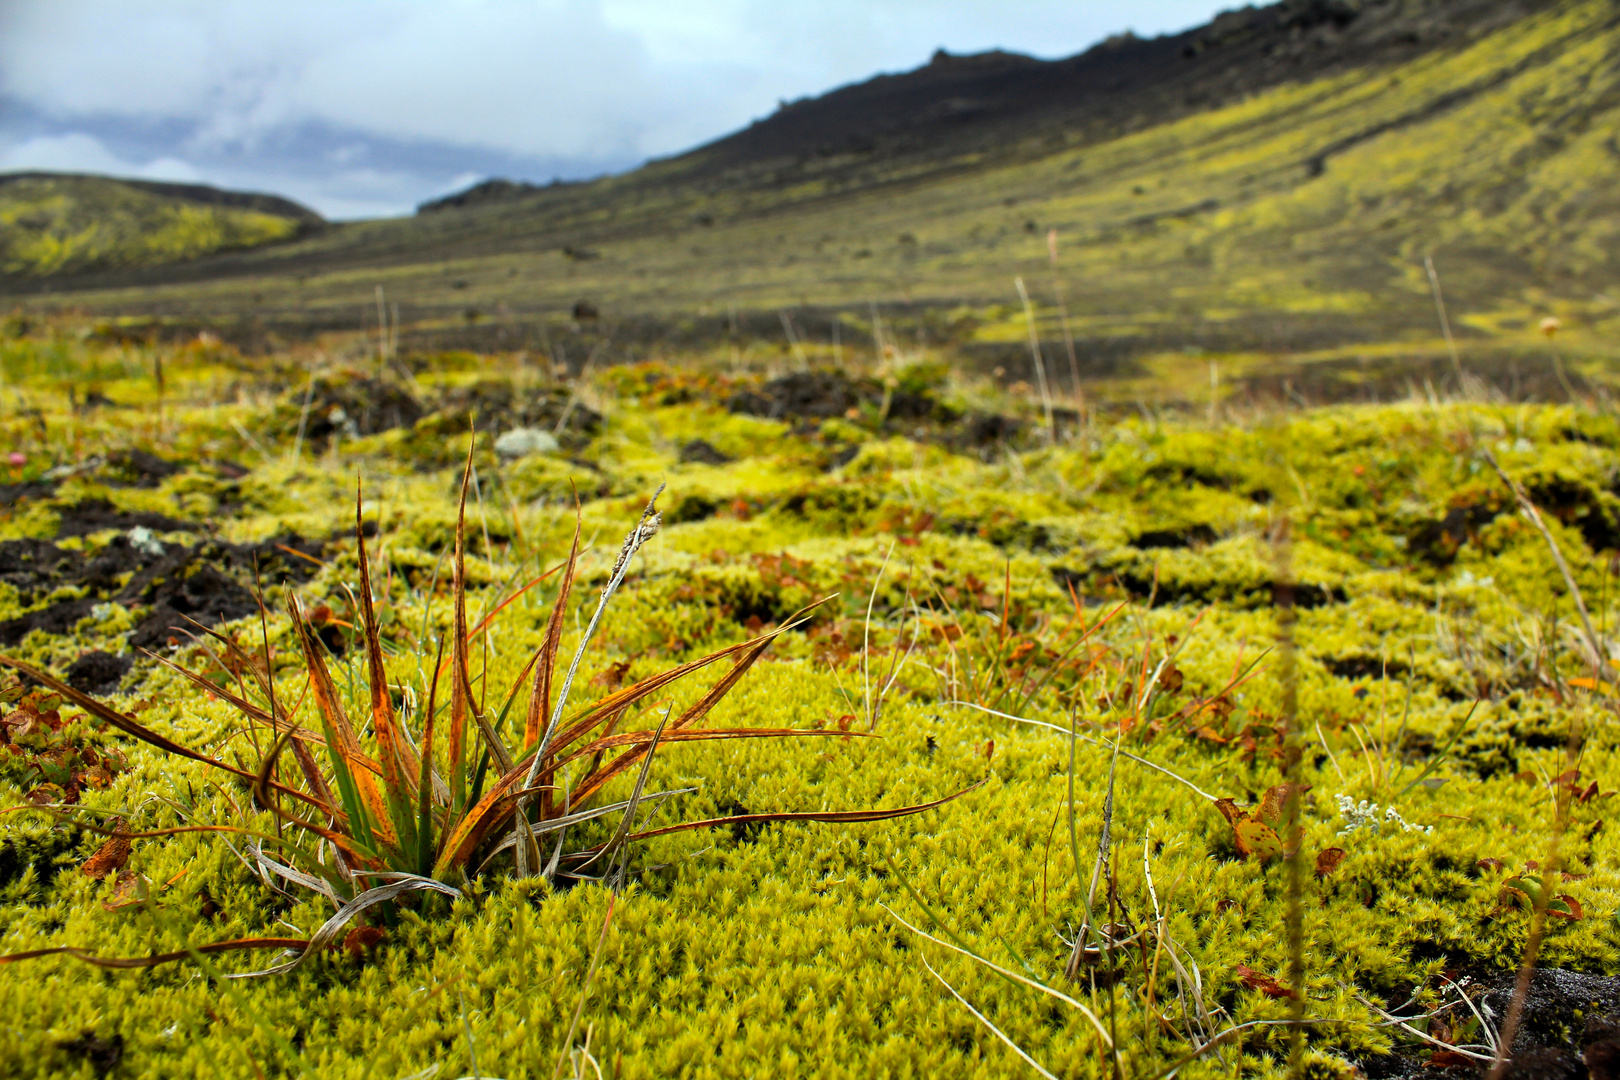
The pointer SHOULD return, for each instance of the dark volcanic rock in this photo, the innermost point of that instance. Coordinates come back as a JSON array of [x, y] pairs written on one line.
[[702, 453], [98, 672], [57, 619]]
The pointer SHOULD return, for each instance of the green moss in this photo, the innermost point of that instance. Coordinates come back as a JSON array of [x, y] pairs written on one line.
[[775, 949]]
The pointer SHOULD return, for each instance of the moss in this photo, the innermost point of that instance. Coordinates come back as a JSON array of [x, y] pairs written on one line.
[[773, 949]]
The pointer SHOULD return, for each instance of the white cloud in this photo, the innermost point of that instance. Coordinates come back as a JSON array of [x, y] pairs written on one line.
[[76, 151]]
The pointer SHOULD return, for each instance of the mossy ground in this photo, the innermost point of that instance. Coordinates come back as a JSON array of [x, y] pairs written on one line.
[[777, 950]]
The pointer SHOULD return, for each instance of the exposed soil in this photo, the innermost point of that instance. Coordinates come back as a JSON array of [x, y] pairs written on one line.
[[1570, 1029], [701, 452], [825, 394], [94, 515], [175, 584], [353, 406], [98, 672]]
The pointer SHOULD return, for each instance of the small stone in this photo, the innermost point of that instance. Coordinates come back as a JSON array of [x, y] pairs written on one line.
[[523, 441]]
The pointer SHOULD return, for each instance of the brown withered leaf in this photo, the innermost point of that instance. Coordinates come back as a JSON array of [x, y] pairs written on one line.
[[362, 939], [613, 676], [1489, 864], [1254, 980], [108, 858], [1274, 800], [1566, 906], [1450, 1059], [1328, 861], [130, 891], [1229, 810], [46, 794], [1258, 839]]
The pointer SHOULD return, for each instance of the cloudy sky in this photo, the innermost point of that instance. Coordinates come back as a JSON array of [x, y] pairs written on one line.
[[360, 108]]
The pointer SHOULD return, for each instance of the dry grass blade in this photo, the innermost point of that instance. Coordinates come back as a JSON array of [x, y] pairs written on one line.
[[236, 945], [835, 816], [628, 821], [460, 687], [1096, 1023], [1088, 739], [546, 658], [329, 930], [981, 1018], [585, 988], [357, 786], [1599, 653], [639, 738]]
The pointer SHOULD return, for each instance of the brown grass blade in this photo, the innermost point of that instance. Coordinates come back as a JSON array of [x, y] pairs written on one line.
[[833, 816], [752, 652], [340, 736], [546, 665], [399, 761], [139, 731], [477, 823], [639, 738], [160, 958], [619, 700], [460, 688]]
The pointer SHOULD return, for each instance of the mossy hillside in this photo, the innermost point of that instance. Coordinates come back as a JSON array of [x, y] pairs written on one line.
[[766, 950], [68, 224], [1294, 220]]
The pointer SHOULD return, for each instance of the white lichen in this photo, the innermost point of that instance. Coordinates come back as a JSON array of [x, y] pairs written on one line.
[[1365, 815]]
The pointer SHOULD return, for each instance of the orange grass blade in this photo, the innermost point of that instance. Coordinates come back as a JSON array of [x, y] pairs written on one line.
[[476, 823], [399, 762], [596, 781], [341, 739], [598, 711], [545, 668]]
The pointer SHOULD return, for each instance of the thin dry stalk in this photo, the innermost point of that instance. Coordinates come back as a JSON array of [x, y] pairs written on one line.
[[1599, 654], [1035, 354], [1445, 323], [1063, 318], [584, 990]]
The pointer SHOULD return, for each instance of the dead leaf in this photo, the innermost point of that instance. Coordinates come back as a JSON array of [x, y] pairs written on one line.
[[1254, 980], [1229, 811], [129, 891], [1566, 906], [1328, 861], [1258, 839], [613, 677], [108, 858], [1489, 864], [1450, 1059], [362, 939], [1275, 799]]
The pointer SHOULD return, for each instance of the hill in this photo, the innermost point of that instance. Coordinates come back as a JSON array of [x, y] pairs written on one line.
[[1270, 182], [63, 223]]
